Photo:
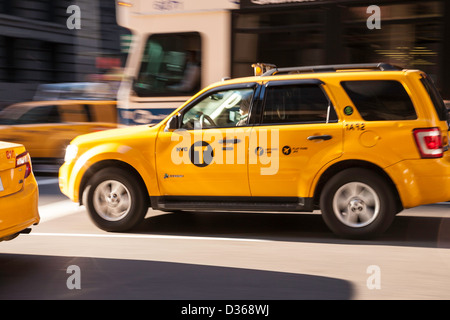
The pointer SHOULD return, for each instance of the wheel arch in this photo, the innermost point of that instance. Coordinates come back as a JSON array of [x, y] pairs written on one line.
[[347, 164], [109, 164]]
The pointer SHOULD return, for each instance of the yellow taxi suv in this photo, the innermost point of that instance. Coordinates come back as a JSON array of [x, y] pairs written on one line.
[[18, 192], [360, 143]]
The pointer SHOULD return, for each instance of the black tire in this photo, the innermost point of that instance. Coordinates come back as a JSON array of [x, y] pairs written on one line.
[[120, 209], [357, 203]]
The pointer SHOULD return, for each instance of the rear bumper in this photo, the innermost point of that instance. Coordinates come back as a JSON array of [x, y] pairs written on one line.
[[422, 181], [20, 210]]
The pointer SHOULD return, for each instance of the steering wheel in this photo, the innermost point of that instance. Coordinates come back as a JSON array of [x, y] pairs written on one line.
[[208, 118]]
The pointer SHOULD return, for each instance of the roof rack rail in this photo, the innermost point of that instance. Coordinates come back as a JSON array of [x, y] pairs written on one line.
[[333, 68]]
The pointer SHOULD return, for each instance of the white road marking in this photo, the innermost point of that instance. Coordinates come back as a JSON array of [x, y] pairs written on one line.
[[142, 236], [57, 210]]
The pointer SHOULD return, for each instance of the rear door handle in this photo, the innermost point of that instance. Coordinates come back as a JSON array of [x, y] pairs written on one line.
[[233, 141], [320, 137]]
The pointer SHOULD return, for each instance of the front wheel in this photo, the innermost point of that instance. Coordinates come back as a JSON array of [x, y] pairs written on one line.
[[357, 203], [115, 200]]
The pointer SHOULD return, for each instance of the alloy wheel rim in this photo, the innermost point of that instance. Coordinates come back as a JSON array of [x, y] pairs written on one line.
[[356, 204], [112, 200]]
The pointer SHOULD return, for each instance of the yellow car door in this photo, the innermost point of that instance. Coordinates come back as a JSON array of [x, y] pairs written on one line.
[[207, 155], [299, 133]]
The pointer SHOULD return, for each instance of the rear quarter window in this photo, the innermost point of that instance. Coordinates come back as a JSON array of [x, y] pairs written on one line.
[[102, 112], [378, 100]]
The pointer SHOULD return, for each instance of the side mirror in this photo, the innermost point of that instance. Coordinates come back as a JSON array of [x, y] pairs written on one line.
[[172, 124]]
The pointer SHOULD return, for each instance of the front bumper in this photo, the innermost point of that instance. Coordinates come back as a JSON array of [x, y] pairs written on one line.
[[63, 177], [66, 181]]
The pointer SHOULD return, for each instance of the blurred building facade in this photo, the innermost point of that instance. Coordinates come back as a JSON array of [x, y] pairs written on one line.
[[37, 47], [412, 34]]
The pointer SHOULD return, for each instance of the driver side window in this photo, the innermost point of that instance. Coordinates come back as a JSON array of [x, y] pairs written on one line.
[[220, 109]]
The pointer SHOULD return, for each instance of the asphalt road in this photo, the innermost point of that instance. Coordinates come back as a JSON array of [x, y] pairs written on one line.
[[223, 256]]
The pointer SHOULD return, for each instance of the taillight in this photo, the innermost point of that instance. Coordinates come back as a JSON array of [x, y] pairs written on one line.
[[429, 142], [24, 160]]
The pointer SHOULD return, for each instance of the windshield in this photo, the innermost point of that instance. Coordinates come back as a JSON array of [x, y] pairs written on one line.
[[221, 109]]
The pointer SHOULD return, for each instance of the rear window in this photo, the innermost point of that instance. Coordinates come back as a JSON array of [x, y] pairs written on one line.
[[436, 98], [378, 100]]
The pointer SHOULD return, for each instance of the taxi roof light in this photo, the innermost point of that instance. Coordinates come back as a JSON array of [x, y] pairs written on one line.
[[261, 68], [124, 4]]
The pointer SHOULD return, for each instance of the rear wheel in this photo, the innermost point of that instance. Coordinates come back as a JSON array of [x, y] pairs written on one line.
[[115, 200], [357, 203]]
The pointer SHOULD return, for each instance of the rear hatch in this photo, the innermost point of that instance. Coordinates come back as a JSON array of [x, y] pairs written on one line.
[[439, 144], [11, 175]]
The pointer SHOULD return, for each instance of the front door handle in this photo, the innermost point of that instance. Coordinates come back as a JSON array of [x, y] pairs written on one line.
[[320, 137]]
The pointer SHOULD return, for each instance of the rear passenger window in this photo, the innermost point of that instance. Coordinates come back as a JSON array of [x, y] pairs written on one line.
[[297, 104], [72, 113], [380, 100]]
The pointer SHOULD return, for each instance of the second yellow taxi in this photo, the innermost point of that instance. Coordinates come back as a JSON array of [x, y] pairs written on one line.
[[18, 192], [46, 128]]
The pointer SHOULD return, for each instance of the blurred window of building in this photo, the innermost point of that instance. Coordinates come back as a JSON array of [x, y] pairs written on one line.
[[3, 62], [410, 35], [171, 65], [283, 37], [28, 60]]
